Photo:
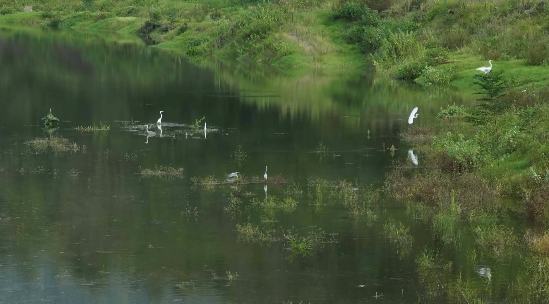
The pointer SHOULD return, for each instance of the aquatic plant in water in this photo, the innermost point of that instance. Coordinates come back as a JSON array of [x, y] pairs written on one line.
[[50, 121], [94, 128], [55, 144], [239, 155], [162, 171]]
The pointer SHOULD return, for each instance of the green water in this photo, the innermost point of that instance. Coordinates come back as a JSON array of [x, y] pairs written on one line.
[[84, 226]]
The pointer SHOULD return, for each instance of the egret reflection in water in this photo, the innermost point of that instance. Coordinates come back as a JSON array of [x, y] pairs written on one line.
[[413, 157], [484, 271]]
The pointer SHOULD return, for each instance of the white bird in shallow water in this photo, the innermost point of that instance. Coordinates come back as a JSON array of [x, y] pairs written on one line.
[[412, 116], [265, 175], [486, 70], [233, 175], [149, 133], [159, 121], [413, 156], [204, 130]]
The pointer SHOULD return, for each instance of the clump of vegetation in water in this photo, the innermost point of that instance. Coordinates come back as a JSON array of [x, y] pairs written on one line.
[[94, 128], [198, 125], [239, 155], [50, 121], [306, 245], [55, 144], [254, 234], [287, 204], [163, 171], [399, 235], [322, 150]]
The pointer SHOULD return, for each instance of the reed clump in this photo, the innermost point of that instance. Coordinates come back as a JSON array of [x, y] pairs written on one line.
[[163, 171]]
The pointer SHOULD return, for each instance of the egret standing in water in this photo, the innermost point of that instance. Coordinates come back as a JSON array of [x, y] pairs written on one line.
[[233, 175], [412, 116], [204, 130], [486, 70], [159, 121], [265, 175]]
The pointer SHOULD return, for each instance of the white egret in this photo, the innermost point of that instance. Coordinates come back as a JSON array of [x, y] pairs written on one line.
[[204, 130], [265, 175], [233, 175], [149, 133], [413, 115], [413, 156], [159, 121], [486, 70]]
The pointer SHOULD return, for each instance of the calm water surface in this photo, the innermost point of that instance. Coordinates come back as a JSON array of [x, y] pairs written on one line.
[[85, 226]]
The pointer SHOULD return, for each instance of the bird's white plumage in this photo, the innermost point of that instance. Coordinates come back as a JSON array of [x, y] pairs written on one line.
[[486, 69], [233, 175], [412, 116], [265, 175], [159, 121]]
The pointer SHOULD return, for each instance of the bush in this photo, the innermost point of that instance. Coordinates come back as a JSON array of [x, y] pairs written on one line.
[[492, 84], [195, 50], [351, 11], [439, 76], [452, 111], [409, 69], [537, 52], [154, 15], [7, 10]]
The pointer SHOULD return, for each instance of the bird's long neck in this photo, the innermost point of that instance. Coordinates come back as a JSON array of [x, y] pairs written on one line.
[[160, 115], [490, 64]]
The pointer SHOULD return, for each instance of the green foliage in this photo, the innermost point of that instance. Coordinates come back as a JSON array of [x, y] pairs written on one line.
[[453, 111], [492, 84], [438, 76], [466, 152], [239, 155], [409, 69], [5, 10], [353, 11]]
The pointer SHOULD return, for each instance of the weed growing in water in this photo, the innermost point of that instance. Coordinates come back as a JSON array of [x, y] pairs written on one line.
[[74, 173], [162, 171], [190, 212], [94, 128], [398, 235], [306, 245], [234, 207], [253, 234], [239, 155], [208, 182], [232, 276], [322, 150], [446, 222], [56, 144], [197, 125]]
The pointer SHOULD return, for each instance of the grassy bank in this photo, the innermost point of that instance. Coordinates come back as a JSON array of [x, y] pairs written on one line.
[[485, 168], [429, 41], [440, 42], [288, 35]]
